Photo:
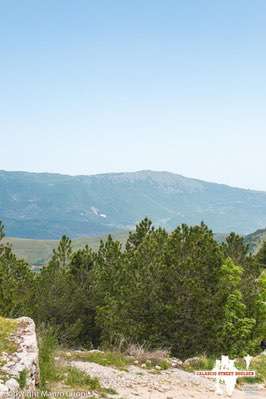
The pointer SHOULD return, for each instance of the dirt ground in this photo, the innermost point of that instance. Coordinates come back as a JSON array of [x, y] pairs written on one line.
[[169, 384]]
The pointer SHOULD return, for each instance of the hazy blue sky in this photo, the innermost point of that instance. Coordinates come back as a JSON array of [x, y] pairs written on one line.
[[91, 86]]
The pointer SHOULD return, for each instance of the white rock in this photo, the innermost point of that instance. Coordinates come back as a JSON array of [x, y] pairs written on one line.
[[12, 385], [176, 363], [3, 389], [95, 351], [25, 358]]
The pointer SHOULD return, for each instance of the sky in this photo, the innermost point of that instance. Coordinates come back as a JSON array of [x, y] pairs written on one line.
[[96, 86]]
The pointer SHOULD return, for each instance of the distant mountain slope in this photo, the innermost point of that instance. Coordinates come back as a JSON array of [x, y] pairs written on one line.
[[45, 206], [255, 240]]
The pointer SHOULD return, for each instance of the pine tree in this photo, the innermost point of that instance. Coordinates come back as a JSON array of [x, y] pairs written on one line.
[[2, 236], [136, 237], [16, 285], [235, 331], [235, 248], [261, 255], [62, 254], [261, 309]]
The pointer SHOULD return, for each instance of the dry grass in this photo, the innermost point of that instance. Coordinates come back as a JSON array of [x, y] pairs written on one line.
[[149, 358], [134, 355], [140, 353]]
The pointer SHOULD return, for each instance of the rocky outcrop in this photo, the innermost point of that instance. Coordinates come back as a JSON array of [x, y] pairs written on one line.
[[20, 369]]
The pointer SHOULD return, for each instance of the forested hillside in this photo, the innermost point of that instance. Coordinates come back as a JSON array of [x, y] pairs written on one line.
[[183, 291], [46, 206], [256, 240]]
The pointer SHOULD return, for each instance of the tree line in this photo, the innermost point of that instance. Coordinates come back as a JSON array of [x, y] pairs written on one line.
[[180, 290]]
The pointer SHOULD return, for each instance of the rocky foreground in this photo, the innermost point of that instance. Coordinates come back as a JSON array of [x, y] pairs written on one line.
[[19, 367], [173, 383], [19, 370]]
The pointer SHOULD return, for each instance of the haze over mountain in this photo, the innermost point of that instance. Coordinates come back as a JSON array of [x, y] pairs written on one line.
[[45, 206]]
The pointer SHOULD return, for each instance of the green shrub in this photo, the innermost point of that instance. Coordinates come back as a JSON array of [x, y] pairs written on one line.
[[22, 380], [76, 378], [200, 363], [47, 347], [7, 327], [258, 364]]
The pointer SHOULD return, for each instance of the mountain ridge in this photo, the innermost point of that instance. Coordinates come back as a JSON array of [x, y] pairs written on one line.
[[47, 205], [137, 172]]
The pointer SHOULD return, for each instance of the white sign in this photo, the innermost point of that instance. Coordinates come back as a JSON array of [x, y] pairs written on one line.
[[226, 374]]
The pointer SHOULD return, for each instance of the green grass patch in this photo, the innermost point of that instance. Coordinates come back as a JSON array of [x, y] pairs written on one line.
[[22, 380], [200, 363], [54, 375], [75, 379], [7, 327], [116, 359], [78, 379], [113, 359], [164, 364], [258, 364]]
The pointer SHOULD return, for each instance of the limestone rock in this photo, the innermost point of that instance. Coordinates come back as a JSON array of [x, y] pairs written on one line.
[[25, 358], [3, 390], [12, 385]]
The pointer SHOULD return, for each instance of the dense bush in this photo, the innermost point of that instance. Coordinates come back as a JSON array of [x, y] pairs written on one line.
[[181, 290]]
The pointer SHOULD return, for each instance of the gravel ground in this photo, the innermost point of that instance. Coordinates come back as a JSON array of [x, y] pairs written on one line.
[[168, 384]]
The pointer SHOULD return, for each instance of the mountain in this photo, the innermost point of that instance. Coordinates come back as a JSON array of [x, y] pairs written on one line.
[[45, 206], [255, 240]]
